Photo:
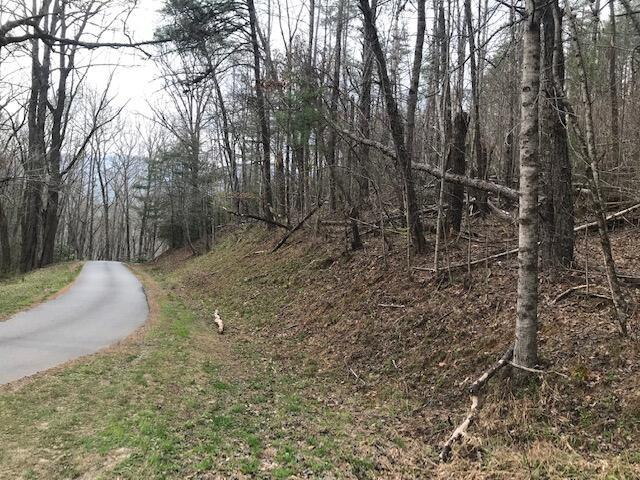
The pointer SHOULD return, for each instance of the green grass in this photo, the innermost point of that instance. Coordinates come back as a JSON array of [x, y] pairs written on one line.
[[183, 403], [21, 291]]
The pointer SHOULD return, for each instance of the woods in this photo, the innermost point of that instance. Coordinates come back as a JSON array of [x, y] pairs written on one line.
[[414, 222], [440, 124]]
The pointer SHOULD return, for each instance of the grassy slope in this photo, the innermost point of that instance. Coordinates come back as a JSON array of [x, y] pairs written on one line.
[[182, 401], [313, 380], [22, 291]]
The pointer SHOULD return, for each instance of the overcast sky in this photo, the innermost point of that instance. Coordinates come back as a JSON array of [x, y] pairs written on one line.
[[134, 79]]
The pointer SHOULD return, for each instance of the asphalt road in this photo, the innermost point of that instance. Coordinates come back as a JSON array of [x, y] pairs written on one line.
[[105, 304]]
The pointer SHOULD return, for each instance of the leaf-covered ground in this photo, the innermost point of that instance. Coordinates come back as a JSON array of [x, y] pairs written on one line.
[[317, 376]]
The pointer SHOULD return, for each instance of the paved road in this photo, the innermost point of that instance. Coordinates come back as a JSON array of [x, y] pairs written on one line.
[[105, 304]]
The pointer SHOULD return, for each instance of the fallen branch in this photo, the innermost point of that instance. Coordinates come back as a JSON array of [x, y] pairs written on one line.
[[500, 255], [535, 370], [497, 256], [569, 291], [257, 217], [461, 430], [609, 218], [294, 229], [626, 277], [218, 321], [630, 279], [487, 375]]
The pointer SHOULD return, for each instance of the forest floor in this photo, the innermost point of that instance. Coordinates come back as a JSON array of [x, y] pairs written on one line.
[[337, 364], [21, 291]]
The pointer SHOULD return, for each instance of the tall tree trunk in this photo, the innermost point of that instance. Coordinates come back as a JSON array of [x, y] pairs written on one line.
[[397, 132], [444, 118], [526, 344], [104, 192], [5, 245], [613, 89], [226, 141], [280, 183], [267, 196], [333, 110], [592, 156], [478, 147], [35, 164], [66, 65], [364, 107], [510, 147], [412, 98], [556, 226]]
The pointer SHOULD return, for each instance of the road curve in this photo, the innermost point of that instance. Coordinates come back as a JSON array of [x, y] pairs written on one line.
[[105, 304]]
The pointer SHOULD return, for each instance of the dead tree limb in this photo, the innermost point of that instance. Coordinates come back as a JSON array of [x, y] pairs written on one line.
[[578, 289], [613, 216], [294, 229], [259, 218], [477, 183], [474, 389], [506, 253]]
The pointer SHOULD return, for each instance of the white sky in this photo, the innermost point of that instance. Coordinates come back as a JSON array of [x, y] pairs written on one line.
[[134, 80]]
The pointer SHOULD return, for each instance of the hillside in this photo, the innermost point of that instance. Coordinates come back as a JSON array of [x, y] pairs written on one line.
[[396, 351], [335, 365]]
